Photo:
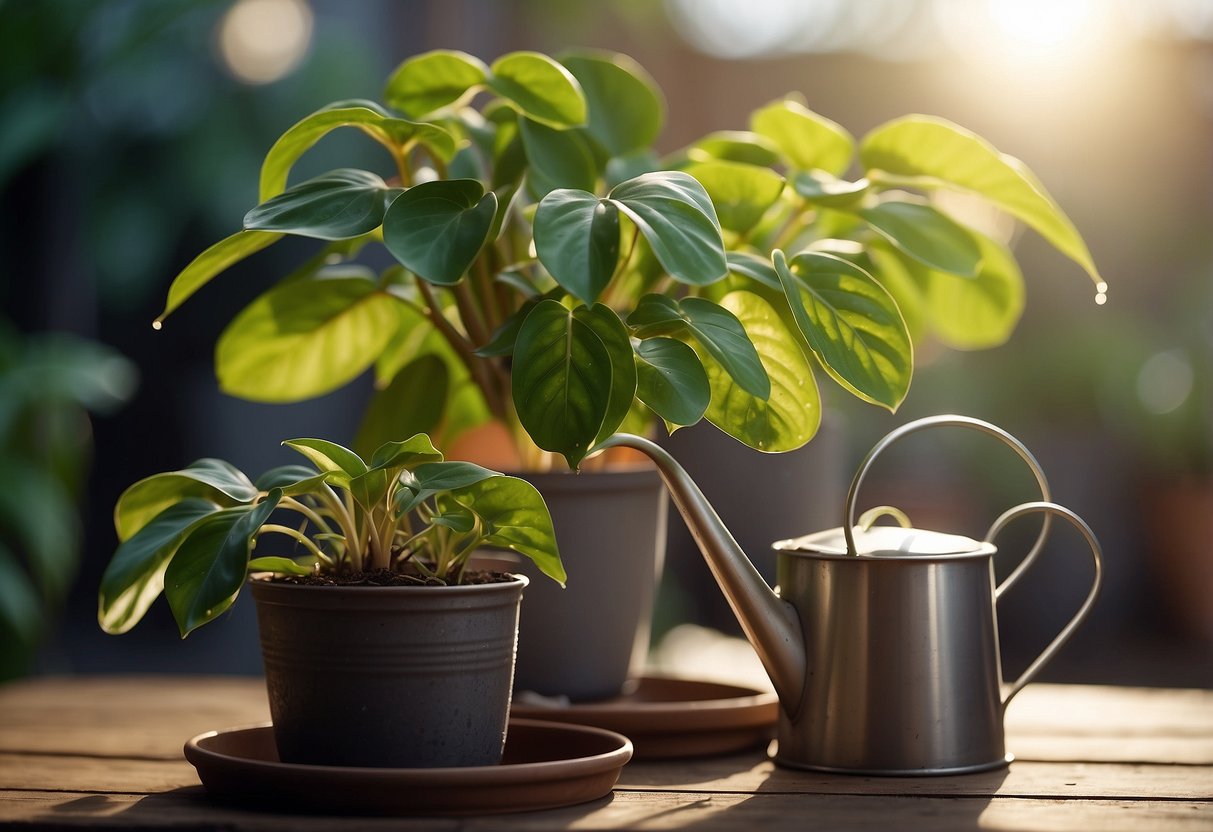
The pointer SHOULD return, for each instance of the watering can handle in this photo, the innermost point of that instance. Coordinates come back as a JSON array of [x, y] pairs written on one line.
[[951, 421], [1083, 611]]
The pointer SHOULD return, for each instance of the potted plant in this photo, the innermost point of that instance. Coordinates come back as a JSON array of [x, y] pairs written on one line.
[[381, 647], [552, 277]]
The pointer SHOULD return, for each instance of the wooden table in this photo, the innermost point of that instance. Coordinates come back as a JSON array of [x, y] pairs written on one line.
[[106, 752]]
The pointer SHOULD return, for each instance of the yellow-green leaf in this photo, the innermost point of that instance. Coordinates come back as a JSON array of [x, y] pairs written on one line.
[[808, 141]]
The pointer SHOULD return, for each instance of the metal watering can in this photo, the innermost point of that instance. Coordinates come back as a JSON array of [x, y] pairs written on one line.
[[881, 641]]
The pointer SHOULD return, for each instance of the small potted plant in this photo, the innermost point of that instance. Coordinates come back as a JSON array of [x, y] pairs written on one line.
[[381, 646], [554, 279]]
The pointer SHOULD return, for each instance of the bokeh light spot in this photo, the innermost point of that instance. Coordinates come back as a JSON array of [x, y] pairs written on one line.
[[261, 41]]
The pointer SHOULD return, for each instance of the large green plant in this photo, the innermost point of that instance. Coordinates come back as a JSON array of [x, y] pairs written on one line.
[[191, 533], [552, 273]]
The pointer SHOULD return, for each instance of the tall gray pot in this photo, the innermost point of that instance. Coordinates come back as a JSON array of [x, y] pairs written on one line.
[[404, 677], [583, 641]]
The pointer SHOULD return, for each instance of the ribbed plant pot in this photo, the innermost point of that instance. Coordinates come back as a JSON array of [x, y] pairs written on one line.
[[584, 641], [402, 677]]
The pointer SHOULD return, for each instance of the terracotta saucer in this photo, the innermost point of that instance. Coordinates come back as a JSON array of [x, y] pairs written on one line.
[[668, 718], [545, 765]]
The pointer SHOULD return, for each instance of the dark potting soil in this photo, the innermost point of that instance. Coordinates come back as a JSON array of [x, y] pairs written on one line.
[[388, 577]]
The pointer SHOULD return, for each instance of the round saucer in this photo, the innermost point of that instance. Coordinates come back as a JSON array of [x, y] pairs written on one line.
[[545, 765], [668, 718]]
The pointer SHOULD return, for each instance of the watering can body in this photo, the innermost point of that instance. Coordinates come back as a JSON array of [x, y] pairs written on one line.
[[881, 642]]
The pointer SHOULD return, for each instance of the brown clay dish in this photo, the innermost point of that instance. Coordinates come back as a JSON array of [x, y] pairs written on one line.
[[670, 718], [545, 765]]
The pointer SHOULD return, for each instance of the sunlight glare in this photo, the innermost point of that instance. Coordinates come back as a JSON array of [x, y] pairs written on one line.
[[261, 41]]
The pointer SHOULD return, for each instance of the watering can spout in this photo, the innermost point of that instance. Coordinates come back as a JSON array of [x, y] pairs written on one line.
[[771, 625]]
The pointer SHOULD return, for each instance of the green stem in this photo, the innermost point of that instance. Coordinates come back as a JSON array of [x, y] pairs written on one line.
[[317, 520], [300, 537]]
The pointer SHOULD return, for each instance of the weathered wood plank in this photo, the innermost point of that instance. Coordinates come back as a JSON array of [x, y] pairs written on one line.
[[641, 811], [1103, 710], [748, 773], [34, 772]]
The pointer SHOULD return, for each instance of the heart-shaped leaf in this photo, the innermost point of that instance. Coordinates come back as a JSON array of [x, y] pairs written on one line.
[[218, 258], [852, 325], [515, 517], [213, 480], [625, 110], [926, 234], [433, 81], [339, 205], [305, 338], [559, 158], [614, 336], [670, 379], [209, 567], [540, 88], [713, 327], [561, 381], [806, 140], [676, 216], [577, 240], [740, 193], [926, 152], [134, 577], [433, 478], [437, 228], [367, 116], [330, 458], [790, 415]]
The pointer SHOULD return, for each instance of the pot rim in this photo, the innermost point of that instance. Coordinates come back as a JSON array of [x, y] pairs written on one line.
[[263, 579]]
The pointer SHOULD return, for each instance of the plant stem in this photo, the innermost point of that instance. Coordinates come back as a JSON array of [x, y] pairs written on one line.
[[299, 536], [308, 512], [477, 366]]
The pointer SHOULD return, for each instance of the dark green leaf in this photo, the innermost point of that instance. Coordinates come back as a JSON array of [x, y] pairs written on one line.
[[368, 117], [339, 205], [209, 479], [409, 453], [515, 517], [305, 338], [671, 380], [677, 218], [134, 577], [209, 567], [577, 240], [458, 521], [211, 262], [284, 476], [806, 140], [329, 457], [559, 158], [432, 478], [927, 152], [540, 88], [433, 81], [625, 108], [754, 267], [929, 236], [561, 381], [437, 228], [853, 326], [614, 336]]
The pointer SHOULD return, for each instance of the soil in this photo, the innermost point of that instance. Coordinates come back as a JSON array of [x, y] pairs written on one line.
[[388, 577]]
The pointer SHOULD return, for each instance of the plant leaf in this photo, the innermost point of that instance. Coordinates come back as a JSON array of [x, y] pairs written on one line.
[[808, 141], [432, 478], [305, 338], [437, 228], [19, 608], [434, 80], [735, 146], [676, 216], [614, 336], [561, 381], [558, 158], [671, 380], [577, 240], [209, 567], [292, 480], [209, 479], [134, 577], [788, 417], [415, 450], [926, 234], [208, 264], [740, 193], [935, 153], [540, 88], [279, 565], [338, 205], [975, 313], [823, 189], [339, 462], [412, 403], [852, 325], [754, 267], [625, 109], [715, 329], [368, 117], [515, 517]]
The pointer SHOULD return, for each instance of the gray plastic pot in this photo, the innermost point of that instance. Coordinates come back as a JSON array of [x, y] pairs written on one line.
[[584, 641], [402, 677]]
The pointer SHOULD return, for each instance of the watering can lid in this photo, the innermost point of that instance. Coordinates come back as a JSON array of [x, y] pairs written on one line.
[[887, 541]]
